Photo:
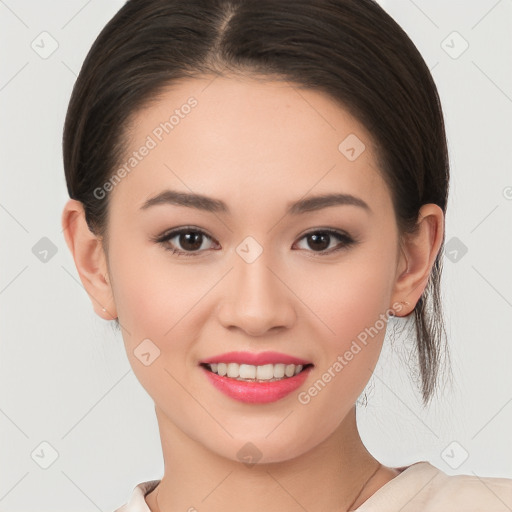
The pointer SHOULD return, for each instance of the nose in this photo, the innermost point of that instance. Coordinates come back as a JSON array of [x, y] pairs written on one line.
[[256, 299]]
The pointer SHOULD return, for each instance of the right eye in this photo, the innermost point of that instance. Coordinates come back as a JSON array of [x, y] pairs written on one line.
[[190, 239]]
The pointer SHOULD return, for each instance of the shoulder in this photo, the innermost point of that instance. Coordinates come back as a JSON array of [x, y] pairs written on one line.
[[469, 493], [424, 487], [136, 501]]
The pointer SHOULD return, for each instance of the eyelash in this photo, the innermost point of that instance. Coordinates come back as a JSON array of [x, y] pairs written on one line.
[[163, 239]]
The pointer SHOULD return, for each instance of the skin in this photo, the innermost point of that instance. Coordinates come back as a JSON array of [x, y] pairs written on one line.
[[291, 299]]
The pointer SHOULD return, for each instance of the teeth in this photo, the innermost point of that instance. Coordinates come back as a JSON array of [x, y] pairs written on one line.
[[248, 371], [222, 368], [233, 370], [266, 372], [279, 370]]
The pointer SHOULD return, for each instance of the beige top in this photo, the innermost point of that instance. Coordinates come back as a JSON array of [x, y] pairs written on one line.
[[420, 487]]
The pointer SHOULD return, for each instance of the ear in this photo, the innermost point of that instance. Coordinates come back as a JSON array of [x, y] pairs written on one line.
[[90, 260], [418, 252]]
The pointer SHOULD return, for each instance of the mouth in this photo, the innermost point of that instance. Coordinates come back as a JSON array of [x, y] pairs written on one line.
[[253, 373]]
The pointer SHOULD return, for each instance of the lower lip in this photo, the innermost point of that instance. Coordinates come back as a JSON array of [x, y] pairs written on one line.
[[257, 392]]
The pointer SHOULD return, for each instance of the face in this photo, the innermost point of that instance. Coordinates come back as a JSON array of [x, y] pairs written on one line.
[[312, 283]]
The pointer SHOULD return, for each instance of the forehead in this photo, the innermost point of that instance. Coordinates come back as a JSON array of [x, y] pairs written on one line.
[[240, 138]]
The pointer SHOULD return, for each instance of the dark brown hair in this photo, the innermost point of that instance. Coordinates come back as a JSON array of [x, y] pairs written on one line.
[[352, 50]]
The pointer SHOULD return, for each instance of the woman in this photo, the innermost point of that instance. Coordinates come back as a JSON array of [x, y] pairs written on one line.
[[257, 188]]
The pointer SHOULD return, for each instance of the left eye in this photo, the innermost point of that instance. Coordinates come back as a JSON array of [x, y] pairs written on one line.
[[322, 238], [191, 241]]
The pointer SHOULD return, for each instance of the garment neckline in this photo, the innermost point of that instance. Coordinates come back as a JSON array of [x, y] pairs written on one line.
[[149, 486]]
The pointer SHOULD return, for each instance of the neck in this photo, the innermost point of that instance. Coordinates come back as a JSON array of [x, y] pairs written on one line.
[[339, 474]]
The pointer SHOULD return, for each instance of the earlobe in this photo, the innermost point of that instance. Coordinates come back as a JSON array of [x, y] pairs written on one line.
[[89, 257], [418, 254]]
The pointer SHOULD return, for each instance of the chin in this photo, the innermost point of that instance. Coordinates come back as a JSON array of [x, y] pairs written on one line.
[[261, 450]]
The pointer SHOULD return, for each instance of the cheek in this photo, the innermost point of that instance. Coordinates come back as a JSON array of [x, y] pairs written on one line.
[[353, 308], [158, 301], [153, 315], [350, 296], [352, 301], [150, 297]]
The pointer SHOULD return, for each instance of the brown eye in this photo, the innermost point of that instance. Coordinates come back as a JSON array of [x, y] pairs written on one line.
[[191, 240], [320, 241], [184, 241]]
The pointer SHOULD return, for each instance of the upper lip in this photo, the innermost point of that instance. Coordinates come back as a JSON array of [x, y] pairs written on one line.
[[255, 359]]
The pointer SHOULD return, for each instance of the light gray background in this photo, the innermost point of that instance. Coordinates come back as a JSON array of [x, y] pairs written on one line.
[[65, 378]]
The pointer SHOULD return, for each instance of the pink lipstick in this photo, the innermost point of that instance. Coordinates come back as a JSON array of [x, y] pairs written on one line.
[[256, 377]]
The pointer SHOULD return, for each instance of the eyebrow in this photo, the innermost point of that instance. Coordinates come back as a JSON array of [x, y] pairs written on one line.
[[209, 204]]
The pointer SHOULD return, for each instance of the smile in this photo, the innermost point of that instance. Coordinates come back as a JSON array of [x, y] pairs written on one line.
[[252, 373], [256, 377]]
